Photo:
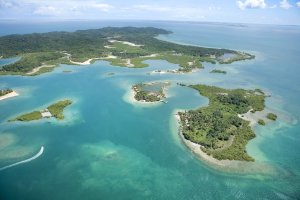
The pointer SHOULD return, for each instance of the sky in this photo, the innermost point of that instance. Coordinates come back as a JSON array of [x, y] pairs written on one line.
[[286, 12]]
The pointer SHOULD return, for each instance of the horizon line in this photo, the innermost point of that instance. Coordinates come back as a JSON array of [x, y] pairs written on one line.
[[148, 20]]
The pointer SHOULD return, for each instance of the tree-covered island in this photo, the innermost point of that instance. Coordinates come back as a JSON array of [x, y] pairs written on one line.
[[217, 127], [5, 91], [54, 110], [150, 92], [126, 46]]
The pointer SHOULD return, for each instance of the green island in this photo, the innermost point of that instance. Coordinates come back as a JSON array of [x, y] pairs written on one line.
[[261, 122], [125, 46], [5, 91], [150, 92], [54, 110], [217, 128], [272, 116], [218, 71]]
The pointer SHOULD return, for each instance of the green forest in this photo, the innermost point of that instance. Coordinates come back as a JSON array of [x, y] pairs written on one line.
[[56, 48]]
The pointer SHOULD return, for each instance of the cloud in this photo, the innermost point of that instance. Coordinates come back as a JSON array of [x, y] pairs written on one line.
[[285, 4], [47, 11], [151, 8], [101, 6], [8, 4], [251, 4], [298, 4], [274, 6]]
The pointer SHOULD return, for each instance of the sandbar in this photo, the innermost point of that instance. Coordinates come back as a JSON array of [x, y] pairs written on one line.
[[9, 95]]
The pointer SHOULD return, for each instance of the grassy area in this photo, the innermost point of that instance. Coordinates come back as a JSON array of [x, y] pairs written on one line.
[[186, 62], [214, 125], [35, 115], [55, 109], [31, 60]]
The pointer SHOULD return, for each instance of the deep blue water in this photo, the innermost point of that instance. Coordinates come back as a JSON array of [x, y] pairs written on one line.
[[107, 148]]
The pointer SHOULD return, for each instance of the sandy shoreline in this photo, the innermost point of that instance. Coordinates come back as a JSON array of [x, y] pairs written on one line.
[[9, 95], [129, 98], [223, 165], [35, 70], [87, 62]]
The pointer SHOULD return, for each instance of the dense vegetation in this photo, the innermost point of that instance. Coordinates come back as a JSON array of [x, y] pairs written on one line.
[[146, 95], [272, 116], [261, 122], [5, 91], [217, 127], [218, 71], [55, 109], [59, 47]]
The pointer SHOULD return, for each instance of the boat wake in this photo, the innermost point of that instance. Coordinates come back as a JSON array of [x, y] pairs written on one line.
[[25, 161]]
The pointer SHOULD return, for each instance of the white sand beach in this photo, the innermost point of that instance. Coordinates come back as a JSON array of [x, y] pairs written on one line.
[[150, 56], [9, 95], [35, 70], [129, 98], [128, 63], [223, 165]]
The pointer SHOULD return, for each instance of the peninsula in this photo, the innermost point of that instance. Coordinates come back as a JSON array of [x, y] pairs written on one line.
[[125, 46], [54, 110]]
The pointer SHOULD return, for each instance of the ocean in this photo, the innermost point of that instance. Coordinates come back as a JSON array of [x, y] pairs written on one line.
[[109, 148]]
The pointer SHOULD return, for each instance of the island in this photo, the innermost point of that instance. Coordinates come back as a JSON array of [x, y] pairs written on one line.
[[217, 129], [261, 122], [150, 92], [121, 46], [272, 116], [7, 93], [54, 110], [218, 71]]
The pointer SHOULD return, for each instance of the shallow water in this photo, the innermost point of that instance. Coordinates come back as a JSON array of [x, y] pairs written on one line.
[[109, 149]]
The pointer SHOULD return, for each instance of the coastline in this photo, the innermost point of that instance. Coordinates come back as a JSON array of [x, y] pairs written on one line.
[[87, 62], [9, 95], [232, 166]]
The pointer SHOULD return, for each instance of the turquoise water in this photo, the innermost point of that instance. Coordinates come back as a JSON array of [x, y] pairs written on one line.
[[107, 148], [6, 61]]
